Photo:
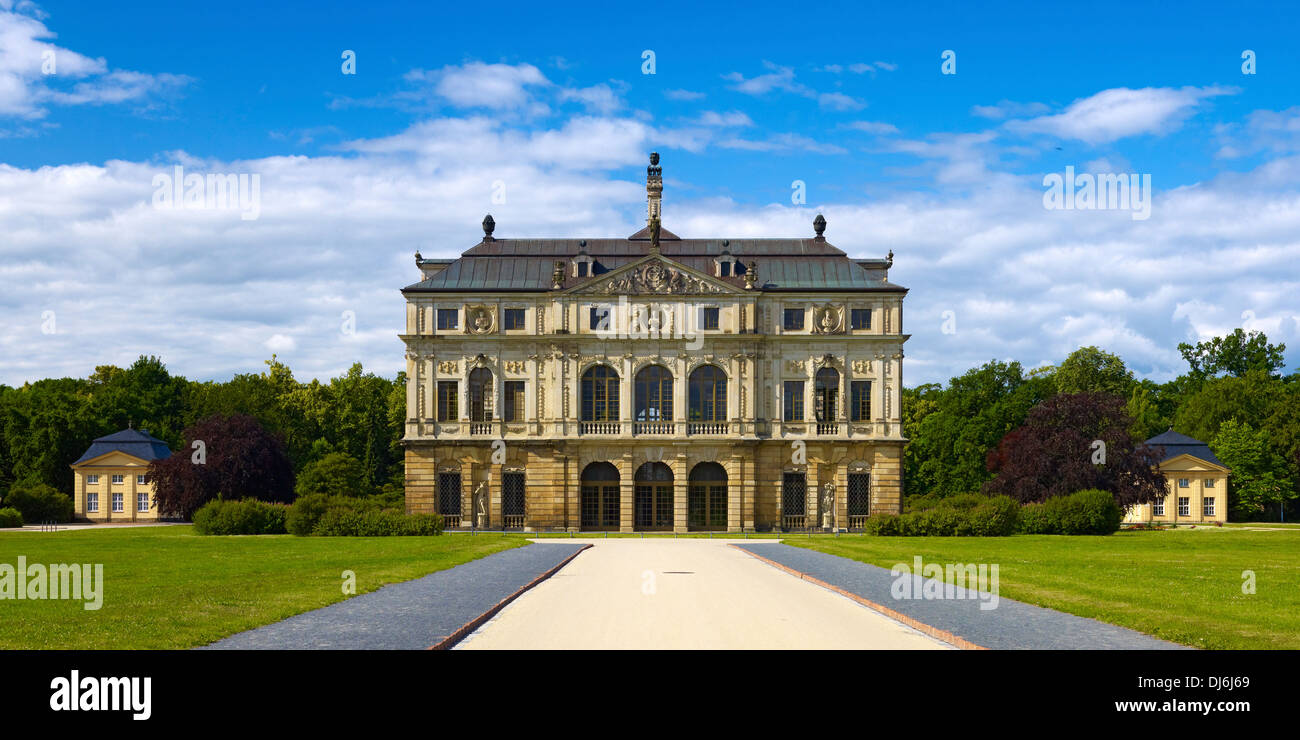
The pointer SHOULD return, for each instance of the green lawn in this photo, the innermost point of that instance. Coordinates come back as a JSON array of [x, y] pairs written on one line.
[[165, 587], [1181, 585]]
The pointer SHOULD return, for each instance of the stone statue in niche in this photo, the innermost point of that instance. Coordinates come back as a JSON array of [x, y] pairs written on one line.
[[828, 504]]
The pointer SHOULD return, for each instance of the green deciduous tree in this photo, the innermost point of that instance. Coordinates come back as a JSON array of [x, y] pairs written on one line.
[[1260, 478]]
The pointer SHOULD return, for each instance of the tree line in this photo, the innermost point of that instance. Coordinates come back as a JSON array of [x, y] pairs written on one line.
[[1000, 428], [47, 424]]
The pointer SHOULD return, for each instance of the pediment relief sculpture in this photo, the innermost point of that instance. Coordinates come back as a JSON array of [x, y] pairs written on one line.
[[658, 278]]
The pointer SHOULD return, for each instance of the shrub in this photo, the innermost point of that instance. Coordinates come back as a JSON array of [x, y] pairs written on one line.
[[1083, 512], [349, 516], [340, 522], [883, 525], [39, 502], [248, 516], [994, 517], [1034, 519], [964, 515], [10, 517]]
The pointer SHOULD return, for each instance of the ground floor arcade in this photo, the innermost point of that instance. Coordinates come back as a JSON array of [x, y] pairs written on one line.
[[669, 487]]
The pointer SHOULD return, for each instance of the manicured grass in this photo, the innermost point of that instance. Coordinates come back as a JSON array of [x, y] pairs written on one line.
[[658, 535], [165, 587], [1184, 586]]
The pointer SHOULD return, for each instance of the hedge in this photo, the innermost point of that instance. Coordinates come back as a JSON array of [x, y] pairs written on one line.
[[38, 502], [1084, 512], [349, 516], [970, 515], [248, 516]]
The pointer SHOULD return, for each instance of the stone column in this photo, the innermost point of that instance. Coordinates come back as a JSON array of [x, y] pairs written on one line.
[[736, 479], [626, 498], [681, 477]]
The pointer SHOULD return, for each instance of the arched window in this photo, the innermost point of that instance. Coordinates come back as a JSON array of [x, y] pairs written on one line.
[[708, 394], [826, 393], [654, 394], [480, 394], [600, 394], [653, 499], [599, 497], [706, 497]]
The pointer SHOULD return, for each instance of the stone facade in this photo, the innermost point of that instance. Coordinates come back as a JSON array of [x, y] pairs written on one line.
[[718, 384]]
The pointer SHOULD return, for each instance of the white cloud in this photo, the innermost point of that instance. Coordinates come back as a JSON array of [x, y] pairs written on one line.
[[36, 73], [839, 101], [481, 85], [683, 95], [599, 98], [1009, 109], [1121, 112], [729, 119], [872, 127]]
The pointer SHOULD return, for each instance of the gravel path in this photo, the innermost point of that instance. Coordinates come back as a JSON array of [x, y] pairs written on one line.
[[412, 615], [1011, 625]]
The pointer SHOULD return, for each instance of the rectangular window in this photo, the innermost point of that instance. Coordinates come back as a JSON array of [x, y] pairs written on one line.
[[710, 319], [724, 269], [142, 502], [448, 318], [860, 400], [117, 480], [1184, 483], [448, 406], [92, 480], [793, 400], [1184, 506], [793, 319], [513, 401], [1158, 508], [583, 269], [1209, 482], [118, 503], [92, 502], [1207, 506], [514, 318], [860, 318], [600, 318], [139, 480]]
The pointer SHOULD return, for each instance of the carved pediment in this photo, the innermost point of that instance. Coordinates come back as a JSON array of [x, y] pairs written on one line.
[[654, 276]]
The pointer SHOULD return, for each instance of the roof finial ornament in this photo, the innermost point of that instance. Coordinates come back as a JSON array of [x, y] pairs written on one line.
[[819, 225], [488, 227], [654, 188], [890, 258]]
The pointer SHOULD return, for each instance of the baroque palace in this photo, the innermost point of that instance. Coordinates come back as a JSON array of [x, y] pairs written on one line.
[[654, 383]]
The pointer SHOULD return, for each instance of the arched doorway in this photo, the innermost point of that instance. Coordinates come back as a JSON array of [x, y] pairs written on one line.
[[599, 498], [706, 498], [653, 502]]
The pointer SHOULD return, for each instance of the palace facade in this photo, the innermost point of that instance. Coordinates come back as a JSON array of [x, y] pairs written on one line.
[[654, 383]]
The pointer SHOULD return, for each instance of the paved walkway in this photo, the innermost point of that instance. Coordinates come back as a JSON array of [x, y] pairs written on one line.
[[412, 615], [1010, 625], [684, 594]]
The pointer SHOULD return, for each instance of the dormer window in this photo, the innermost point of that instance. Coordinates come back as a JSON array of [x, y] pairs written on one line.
[[725, 264], [583, 264]]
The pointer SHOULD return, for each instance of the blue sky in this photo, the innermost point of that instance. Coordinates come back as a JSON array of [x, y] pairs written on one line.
[[359, 171]]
